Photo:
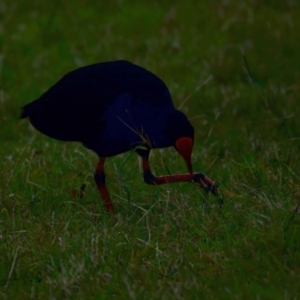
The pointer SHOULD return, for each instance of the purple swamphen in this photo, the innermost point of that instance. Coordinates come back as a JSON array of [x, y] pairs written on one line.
[[113, 107]]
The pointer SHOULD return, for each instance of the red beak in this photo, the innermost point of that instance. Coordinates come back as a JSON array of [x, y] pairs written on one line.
[[184, 146]]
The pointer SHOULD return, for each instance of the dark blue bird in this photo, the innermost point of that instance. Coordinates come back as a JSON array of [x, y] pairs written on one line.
[[113, 107]]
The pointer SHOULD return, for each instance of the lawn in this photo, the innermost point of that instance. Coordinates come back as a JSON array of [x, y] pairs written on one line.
[[233, 68]]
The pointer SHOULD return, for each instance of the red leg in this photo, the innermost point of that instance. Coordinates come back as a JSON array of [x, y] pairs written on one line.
[[149, 178], [99, 177]]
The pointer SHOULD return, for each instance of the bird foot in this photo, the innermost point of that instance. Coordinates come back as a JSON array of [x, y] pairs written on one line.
[[207, 184]]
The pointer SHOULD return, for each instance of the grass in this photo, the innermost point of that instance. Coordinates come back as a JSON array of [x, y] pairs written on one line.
[[173, 241]]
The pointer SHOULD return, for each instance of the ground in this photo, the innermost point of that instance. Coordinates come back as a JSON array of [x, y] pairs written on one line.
[[233, 68]]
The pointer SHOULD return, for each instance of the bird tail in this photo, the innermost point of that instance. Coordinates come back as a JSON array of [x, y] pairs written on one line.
[[30, 109]]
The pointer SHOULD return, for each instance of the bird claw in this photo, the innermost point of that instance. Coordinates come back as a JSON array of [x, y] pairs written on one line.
[[214, 189], [207, 184]]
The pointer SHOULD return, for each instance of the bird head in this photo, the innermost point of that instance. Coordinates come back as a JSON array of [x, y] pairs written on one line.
[[181, 134]]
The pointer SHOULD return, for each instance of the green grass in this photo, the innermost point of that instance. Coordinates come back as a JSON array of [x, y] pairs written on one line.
[[172, 241]]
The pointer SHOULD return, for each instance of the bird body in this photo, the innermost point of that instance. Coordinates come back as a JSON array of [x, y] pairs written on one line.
[[107, 106], [113, 107]]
